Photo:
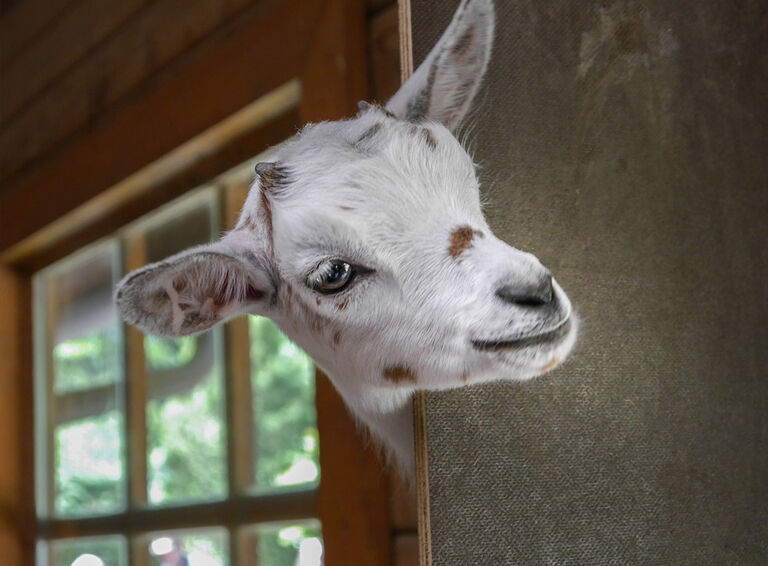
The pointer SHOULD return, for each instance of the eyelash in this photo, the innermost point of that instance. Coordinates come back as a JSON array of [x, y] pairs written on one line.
[[315, 278]]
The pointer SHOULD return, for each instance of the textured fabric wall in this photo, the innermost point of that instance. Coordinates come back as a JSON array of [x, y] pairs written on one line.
[[624, 143]]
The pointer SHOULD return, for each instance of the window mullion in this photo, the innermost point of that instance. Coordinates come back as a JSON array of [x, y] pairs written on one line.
[[135, 388]]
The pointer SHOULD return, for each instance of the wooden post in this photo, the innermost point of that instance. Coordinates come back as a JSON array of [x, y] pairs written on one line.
[[353, 493]]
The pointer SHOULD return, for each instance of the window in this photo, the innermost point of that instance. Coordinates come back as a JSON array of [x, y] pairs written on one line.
[[149, 448]]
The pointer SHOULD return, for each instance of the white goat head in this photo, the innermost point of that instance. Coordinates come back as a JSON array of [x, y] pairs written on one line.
[[366, 244]]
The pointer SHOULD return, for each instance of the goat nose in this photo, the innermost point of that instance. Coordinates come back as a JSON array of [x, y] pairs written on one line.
[[532, 295]]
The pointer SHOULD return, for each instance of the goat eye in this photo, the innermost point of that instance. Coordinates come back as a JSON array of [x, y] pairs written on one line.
[[332, 276]]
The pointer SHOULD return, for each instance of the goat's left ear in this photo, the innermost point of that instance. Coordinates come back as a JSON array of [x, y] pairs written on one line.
[[443, 86], [193, 291]]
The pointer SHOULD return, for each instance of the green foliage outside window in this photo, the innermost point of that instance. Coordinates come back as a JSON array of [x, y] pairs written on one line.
[[89, 469], [86, 362], [186, 444], [283, 382], [280, 546]]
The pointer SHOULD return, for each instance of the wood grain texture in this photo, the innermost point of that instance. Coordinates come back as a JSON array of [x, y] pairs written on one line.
[[384, 54], [74, 34], [128, 58], [26, 20], [145, 191], [406, 550], [10, 423], [402, 506], [184, 101]]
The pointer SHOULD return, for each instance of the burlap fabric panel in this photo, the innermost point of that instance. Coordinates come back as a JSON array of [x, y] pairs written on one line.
[[626, 144]]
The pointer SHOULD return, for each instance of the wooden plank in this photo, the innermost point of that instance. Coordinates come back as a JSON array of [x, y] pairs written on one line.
[[384, 54], [422, 477], [25, 21], [135, 387], [203, 89], [375, 6], [136, 52], [17, 423], [237, 511], [270, 120], [10, 418], [406, 550], [45, 388], [402, 505], [352, 497], [73, 35]]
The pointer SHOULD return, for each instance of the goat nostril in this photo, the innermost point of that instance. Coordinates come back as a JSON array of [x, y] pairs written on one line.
[[531, 296]]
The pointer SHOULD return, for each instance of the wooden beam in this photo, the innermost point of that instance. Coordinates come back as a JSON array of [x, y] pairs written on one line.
[[24, 22], [11, 501], [384, 54], [135, 390], [210, 84], [185, 168], [353, 503], [130, 57], [238, 511], [54, 53]]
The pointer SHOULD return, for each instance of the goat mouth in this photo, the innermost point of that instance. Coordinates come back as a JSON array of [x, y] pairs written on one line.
[[548, 337]]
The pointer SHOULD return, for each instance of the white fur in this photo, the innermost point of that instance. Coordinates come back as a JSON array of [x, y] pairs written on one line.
[[386, 194]]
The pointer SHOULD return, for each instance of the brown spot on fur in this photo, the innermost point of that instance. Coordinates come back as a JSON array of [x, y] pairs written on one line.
[[337, 338], [271, 175], [461, 240], [399, 374], [314, 321], [464, 377], [266, 208], [317, 301], [425, 133], [346, 208], [552, 363], [342, 306]]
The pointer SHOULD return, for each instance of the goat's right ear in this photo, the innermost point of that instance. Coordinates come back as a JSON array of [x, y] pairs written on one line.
[[193, 291], [443, 86]]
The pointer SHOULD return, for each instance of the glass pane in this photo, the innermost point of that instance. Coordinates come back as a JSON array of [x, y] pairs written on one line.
[[286, 544], [207, 547], [185, 405], [283, 382], [102, 551], [79, 350]]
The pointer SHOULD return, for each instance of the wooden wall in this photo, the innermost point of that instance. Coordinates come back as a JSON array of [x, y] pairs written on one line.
[[82, 79]]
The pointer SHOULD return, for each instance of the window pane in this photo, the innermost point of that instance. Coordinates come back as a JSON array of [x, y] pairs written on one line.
[[207, 547], [102, 551], [283, 383], [79, 360], [286, 544], [185, 405]]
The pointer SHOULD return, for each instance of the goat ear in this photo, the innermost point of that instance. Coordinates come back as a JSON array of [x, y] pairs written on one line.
[[443, 86], [193, 291]]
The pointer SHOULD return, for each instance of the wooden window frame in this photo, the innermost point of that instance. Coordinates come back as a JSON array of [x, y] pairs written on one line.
[[321, 45]]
